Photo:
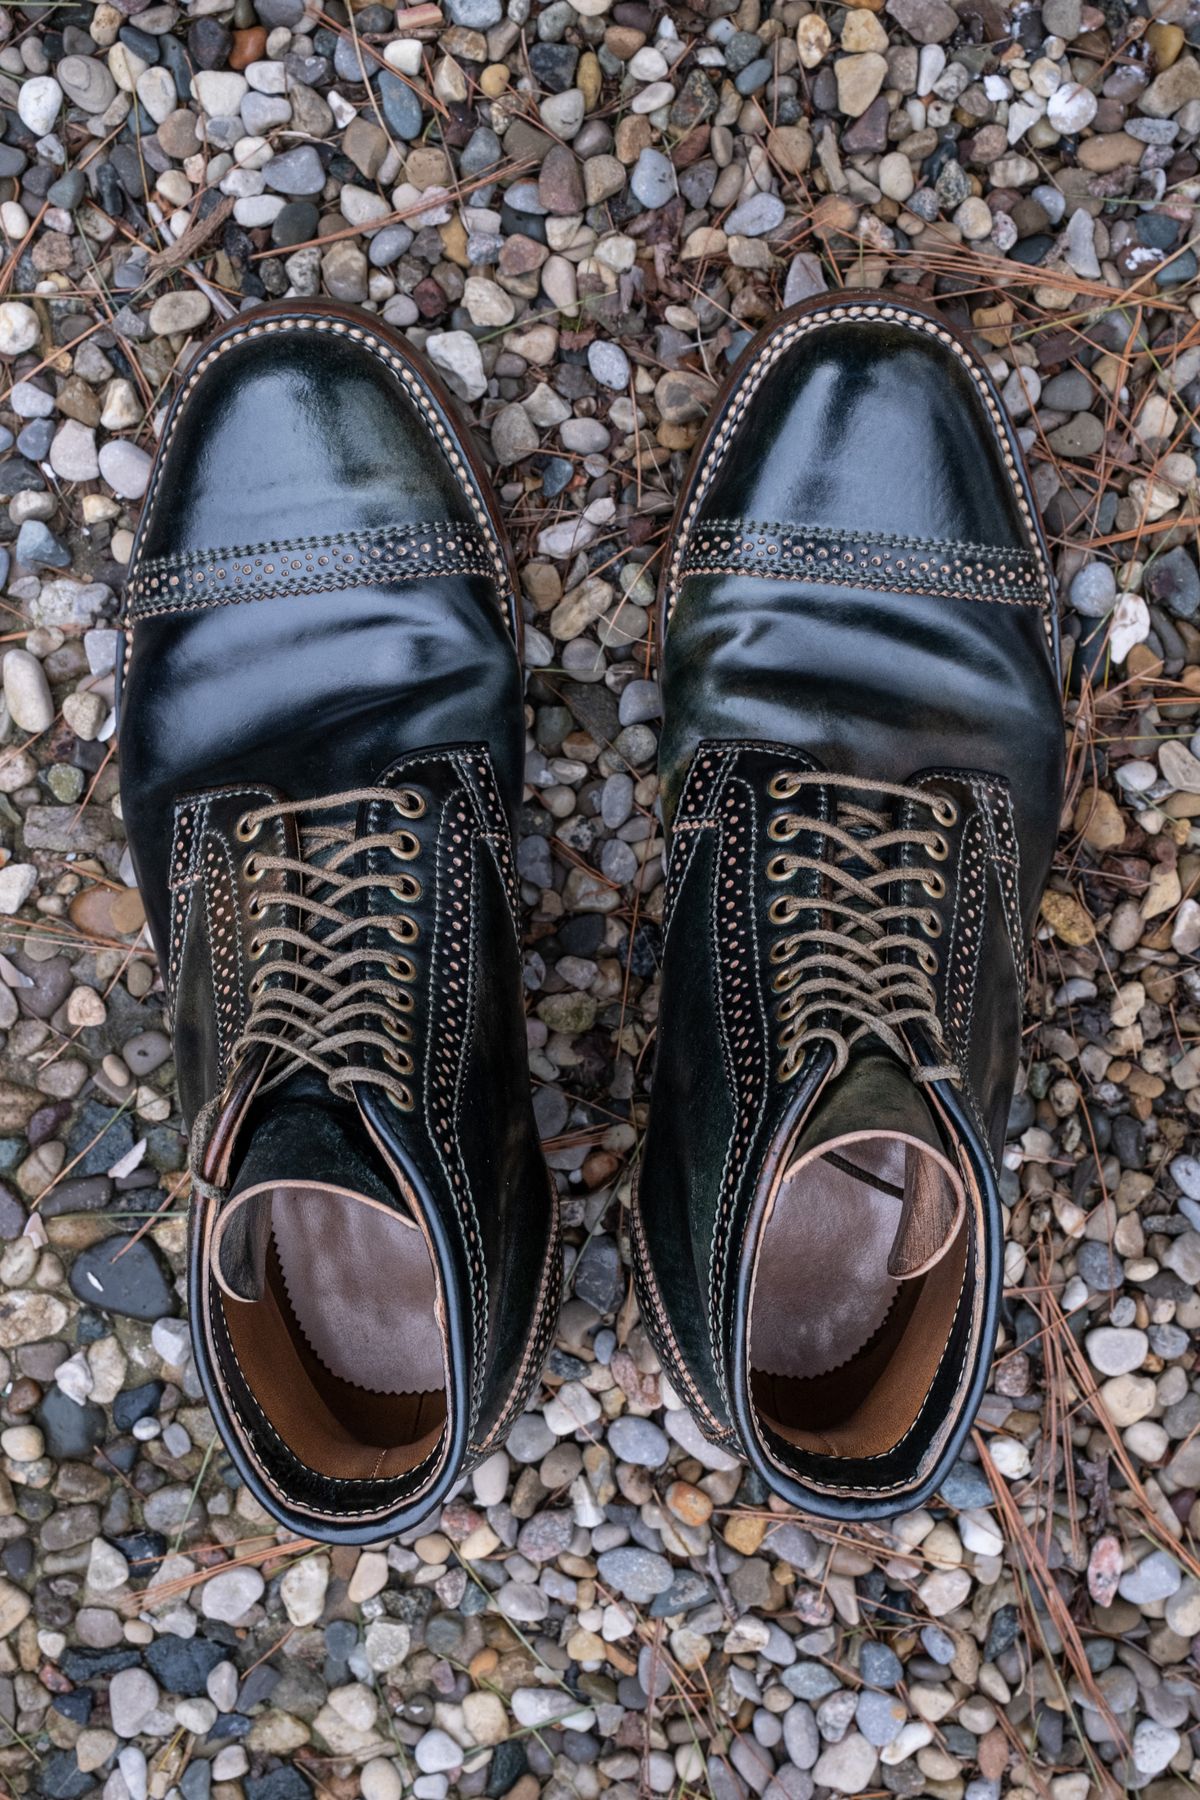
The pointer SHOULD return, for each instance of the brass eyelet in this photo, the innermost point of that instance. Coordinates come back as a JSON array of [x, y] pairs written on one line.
[[939, 850], [944, 810], [409, 803], [401, 968], [931, 925], [777, 869], [256, 907], [776, 828], [404, 931], [411, 846], [934, 886], [258, 948], [403, 1101], [782, 785], [400, 1000], [251, 871], [407, 890], [244, 831], [399, 1060], [397, 1029], [256, 986], [782, 909], [927, 959]]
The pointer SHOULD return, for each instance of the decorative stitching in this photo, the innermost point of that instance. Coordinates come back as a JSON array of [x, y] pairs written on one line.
[[995, 804], [223, 915], [202, 864], [825, 557], [966, 935], [702, 790], [545, 1309], [747, 1052], [658, 1322], [773, 349], [469, 816], [446, 1048], [183, 880], [407, 1490], [313, 565], [484, 795], [417, 393]]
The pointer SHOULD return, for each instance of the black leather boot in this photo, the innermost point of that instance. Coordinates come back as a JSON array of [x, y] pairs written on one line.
[[322, 743], [862, 769]]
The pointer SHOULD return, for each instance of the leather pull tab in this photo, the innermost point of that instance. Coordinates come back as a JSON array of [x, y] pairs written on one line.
[[228, 1115], [932, 1214], [239, 1247]]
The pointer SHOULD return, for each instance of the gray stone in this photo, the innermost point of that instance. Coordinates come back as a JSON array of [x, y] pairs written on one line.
[[638, 1441], [401, 106], [38, 548], [653, 178], [609, 364], [756, 217], [1094, 590], [634, 1573], [879, 1666], [475, 15], [530, 1439], [1156, 1577], [880, 1717], [514, 435], [87, 83], [132, 1697], [457, 355], [801, 1739], [126, 468], [296, 171]]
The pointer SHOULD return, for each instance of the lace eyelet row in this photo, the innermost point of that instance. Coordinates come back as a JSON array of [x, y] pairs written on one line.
[[880, 978]]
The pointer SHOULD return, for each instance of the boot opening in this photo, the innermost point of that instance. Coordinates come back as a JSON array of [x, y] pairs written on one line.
[[331, 1301], [859, 1273], [343, 1348]]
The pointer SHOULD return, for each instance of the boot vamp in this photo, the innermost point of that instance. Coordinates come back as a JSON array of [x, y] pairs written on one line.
[[859, 614], [314, 593]]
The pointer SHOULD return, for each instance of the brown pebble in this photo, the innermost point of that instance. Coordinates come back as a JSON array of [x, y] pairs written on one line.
[[248, 47], [691, 1504]]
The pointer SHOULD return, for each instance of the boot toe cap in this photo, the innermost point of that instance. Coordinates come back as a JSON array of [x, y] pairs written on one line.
[[871, 424]]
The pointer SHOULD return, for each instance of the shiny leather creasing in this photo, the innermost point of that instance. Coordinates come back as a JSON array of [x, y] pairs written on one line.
[[309, 429], [857, 426]]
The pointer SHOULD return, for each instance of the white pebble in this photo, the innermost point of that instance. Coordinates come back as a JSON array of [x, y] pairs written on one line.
[[38, 103]]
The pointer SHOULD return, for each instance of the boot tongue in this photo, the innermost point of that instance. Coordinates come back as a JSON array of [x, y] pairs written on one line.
[[874, 1125], [297, 1144]]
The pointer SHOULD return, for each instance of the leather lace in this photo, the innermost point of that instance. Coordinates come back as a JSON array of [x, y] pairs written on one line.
[[330, 1004], [859, 971]]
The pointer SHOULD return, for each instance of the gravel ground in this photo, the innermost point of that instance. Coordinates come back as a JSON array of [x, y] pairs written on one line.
[[581, 211]]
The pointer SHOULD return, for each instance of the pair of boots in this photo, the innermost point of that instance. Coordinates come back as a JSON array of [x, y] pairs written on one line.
[[322, 743]]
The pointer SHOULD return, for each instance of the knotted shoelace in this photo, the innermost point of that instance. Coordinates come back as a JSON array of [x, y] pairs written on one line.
[[850, 976], [329, 1007]]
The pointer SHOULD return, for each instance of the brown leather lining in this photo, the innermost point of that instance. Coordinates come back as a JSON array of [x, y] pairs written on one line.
[[334, 1426], [858, 1273], [357, 1274], [867, 1406]]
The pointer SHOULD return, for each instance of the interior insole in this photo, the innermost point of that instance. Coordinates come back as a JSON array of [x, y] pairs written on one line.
[[361, 1287], [822, 1288]]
